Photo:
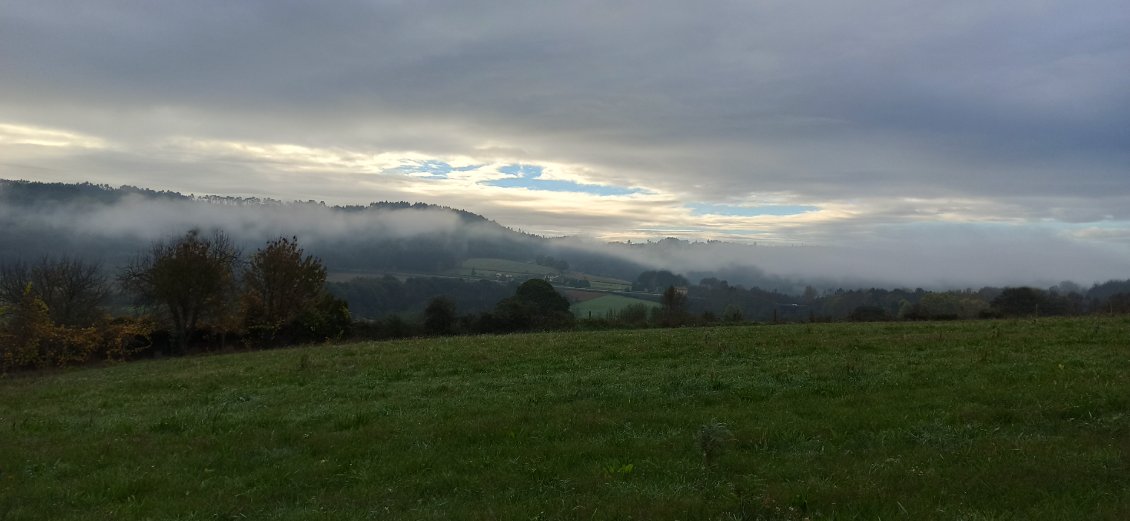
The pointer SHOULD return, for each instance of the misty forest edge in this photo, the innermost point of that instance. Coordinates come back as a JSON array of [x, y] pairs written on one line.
[[71, 297]]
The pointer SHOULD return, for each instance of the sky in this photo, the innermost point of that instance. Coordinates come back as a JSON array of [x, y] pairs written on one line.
[[952, 130]]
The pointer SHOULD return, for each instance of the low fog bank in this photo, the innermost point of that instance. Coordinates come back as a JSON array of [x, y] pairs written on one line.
[[949, 257], [112, 226], [147, 220]]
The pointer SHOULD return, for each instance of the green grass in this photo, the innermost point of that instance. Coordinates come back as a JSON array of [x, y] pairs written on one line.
[[605, 283], [487, 268], [966, 420], [600, 307]]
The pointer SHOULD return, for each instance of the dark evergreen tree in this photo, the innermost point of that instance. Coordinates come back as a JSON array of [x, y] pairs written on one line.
[[440, 317], [1024, 301], [673, 310]]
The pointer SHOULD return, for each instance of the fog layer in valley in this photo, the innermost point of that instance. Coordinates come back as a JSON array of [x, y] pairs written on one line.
[[114, 225]]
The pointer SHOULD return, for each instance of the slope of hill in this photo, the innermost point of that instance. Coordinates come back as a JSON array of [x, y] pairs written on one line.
[[961, 420], [112, 225], [600, 307]]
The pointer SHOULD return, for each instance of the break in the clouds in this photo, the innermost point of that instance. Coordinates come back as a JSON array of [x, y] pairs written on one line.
[[788, 122]]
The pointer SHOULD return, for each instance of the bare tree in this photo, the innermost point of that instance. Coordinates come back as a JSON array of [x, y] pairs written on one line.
[[191, 277], [73, 290]]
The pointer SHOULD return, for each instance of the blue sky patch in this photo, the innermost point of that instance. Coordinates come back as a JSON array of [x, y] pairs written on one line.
[[523, 171], [529, 177], [750, 211], [430, 169]]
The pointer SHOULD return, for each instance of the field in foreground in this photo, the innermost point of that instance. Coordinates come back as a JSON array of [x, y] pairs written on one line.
[[972, 420]]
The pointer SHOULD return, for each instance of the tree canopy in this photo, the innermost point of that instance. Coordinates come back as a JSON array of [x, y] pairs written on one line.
[[534, 306], [191, 277], [72, 289], [279, 285]]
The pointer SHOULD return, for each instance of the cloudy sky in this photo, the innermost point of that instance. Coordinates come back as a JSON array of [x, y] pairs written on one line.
[[949, 127]]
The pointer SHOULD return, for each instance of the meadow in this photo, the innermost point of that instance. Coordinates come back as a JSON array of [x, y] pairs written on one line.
[[601, 307], [488, 268], [1008, 419]]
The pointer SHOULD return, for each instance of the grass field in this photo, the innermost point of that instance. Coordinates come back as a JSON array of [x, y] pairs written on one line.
[[962, 420], [601, 306], [607, 283], [488, 267]]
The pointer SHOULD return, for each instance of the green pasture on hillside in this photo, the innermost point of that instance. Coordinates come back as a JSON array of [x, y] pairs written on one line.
[[600, 307], [487, 268], [605, 283], [1019, 419]]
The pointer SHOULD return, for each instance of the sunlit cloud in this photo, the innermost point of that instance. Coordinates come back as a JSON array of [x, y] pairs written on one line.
[[16, 134], [749, 211]]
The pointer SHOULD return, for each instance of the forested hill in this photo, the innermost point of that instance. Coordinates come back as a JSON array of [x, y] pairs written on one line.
[[39, 196], [111, 225], [30, 194]]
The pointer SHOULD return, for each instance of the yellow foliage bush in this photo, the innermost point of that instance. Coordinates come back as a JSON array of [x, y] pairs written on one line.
[[29, 339]]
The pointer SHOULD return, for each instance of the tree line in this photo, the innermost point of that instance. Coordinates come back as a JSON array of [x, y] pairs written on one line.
[[37, 219], [534, 305], [190, 289], [713, 299], [197, 291]]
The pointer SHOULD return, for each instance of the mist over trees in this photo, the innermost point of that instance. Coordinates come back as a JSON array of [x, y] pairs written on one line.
[[108, 225], [654, 281], [200, 291], [98, 223], [392, 269], [188, 278], [73, 290]]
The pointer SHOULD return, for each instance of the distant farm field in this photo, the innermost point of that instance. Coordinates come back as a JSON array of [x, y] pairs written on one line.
[[1024, 419], [495, 268], [600, 307], [489, 267], [607, 283]]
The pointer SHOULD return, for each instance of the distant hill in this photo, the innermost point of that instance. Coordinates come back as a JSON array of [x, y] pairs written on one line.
[[112, 225]]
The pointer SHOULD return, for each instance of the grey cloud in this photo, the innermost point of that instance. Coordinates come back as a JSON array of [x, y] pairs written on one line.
[[864, 102]]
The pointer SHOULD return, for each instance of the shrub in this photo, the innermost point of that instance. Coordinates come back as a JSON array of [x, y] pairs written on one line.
[[29, 339], [440, 317]]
